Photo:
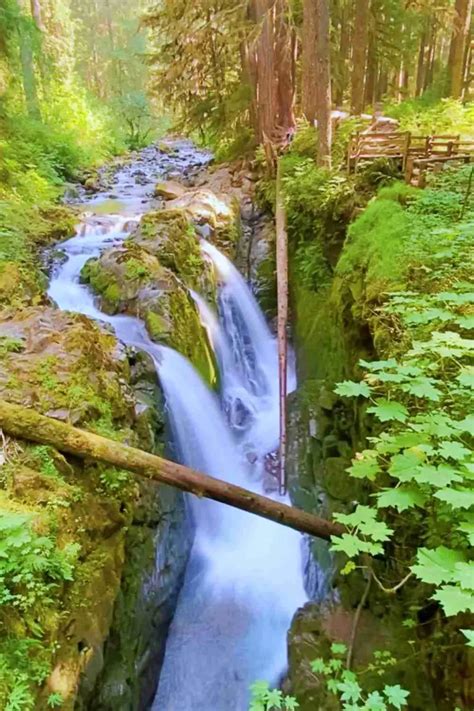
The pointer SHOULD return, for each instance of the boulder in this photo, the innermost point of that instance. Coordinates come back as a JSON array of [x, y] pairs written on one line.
[[169, 190], [131, 280], [110, 620], [169, 236]]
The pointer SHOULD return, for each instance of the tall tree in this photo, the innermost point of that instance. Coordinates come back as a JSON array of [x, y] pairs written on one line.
[[359, 55], [457, 54], [323, 79], [309, 60]]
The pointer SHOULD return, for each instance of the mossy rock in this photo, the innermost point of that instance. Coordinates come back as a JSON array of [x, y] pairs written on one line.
[[132, 280], [218, 212], [168, 235]]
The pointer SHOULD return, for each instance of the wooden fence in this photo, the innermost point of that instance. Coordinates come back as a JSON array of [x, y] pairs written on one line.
[[416, 154]]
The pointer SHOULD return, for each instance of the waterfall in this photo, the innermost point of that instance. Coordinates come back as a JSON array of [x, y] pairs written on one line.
[[244, 580]]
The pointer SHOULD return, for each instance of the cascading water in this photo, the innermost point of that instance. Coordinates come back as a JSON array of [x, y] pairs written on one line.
[[244, 580]]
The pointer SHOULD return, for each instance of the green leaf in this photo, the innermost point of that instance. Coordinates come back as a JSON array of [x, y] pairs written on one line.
[[436, 566], [386, 410], [424, 388], [403, 466], [375, 702], [351, 389], [455, 298], [348, 544], [467, 526], [274, 699], [396, 695], [466, 377], [453, 450], [465, 425], [337, 648], [318, 666], [350, 690], [378, 364], [464, 575], [401, 498], [440, 476], [469, 634], [454, 600], [365, 466], [291, 703], [429, 315], [456, 498]]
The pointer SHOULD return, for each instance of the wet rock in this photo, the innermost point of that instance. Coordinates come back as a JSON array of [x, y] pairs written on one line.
[[133, 541], [131, 280], [168, 235], [169, 190]]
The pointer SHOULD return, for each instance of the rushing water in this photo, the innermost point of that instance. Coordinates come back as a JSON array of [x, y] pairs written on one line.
[[244, 580]]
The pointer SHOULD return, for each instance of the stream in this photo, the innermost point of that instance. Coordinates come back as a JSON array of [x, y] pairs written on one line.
[[244, 580]]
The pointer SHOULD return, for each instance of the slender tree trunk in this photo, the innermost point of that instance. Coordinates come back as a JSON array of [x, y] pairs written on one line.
[[457, 54], [429, 74], [37, 14], [309, 86], [324, 84], [359, 55], [28, 76], [343, 54], [371, 74], [420, 70]]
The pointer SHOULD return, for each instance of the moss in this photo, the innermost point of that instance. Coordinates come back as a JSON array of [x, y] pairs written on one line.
[[168, 235]]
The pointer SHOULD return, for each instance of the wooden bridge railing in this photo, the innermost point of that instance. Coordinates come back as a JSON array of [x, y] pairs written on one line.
[[416, 154]]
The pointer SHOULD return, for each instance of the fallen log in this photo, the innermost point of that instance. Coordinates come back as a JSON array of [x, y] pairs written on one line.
[[27, 424]]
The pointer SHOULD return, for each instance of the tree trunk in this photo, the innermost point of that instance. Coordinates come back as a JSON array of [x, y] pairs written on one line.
[[323, 77], [359, 55], [27, 424], [28, 76], [36, 14], [285, 61], [343, 55], [371, 74], [282, 293], [266, 83], [420, 70], [309, 85], [457, 53]]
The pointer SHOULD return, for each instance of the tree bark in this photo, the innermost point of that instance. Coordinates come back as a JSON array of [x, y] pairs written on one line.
[[309, 61], [457, 52], [266, 83], [285, 61], [359, 55], [282, 294], [37, 14], [27, 424], [28, 76], [420, 70], [323, 77]]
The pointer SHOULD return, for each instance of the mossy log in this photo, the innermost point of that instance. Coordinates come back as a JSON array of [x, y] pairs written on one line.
[[27, 424]]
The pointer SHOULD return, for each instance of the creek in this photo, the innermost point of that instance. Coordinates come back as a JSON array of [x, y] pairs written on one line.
[[244, 580]]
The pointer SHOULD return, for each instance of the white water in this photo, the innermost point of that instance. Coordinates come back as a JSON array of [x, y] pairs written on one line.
[[244, 580]]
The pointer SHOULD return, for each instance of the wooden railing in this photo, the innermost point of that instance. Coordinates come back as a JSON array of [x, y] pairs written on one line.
[[416, 154]]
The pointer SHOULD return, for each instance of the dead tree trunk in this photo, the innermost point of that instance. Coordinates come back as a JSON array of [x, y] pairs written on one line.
[[27, 424], [282, 291]]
